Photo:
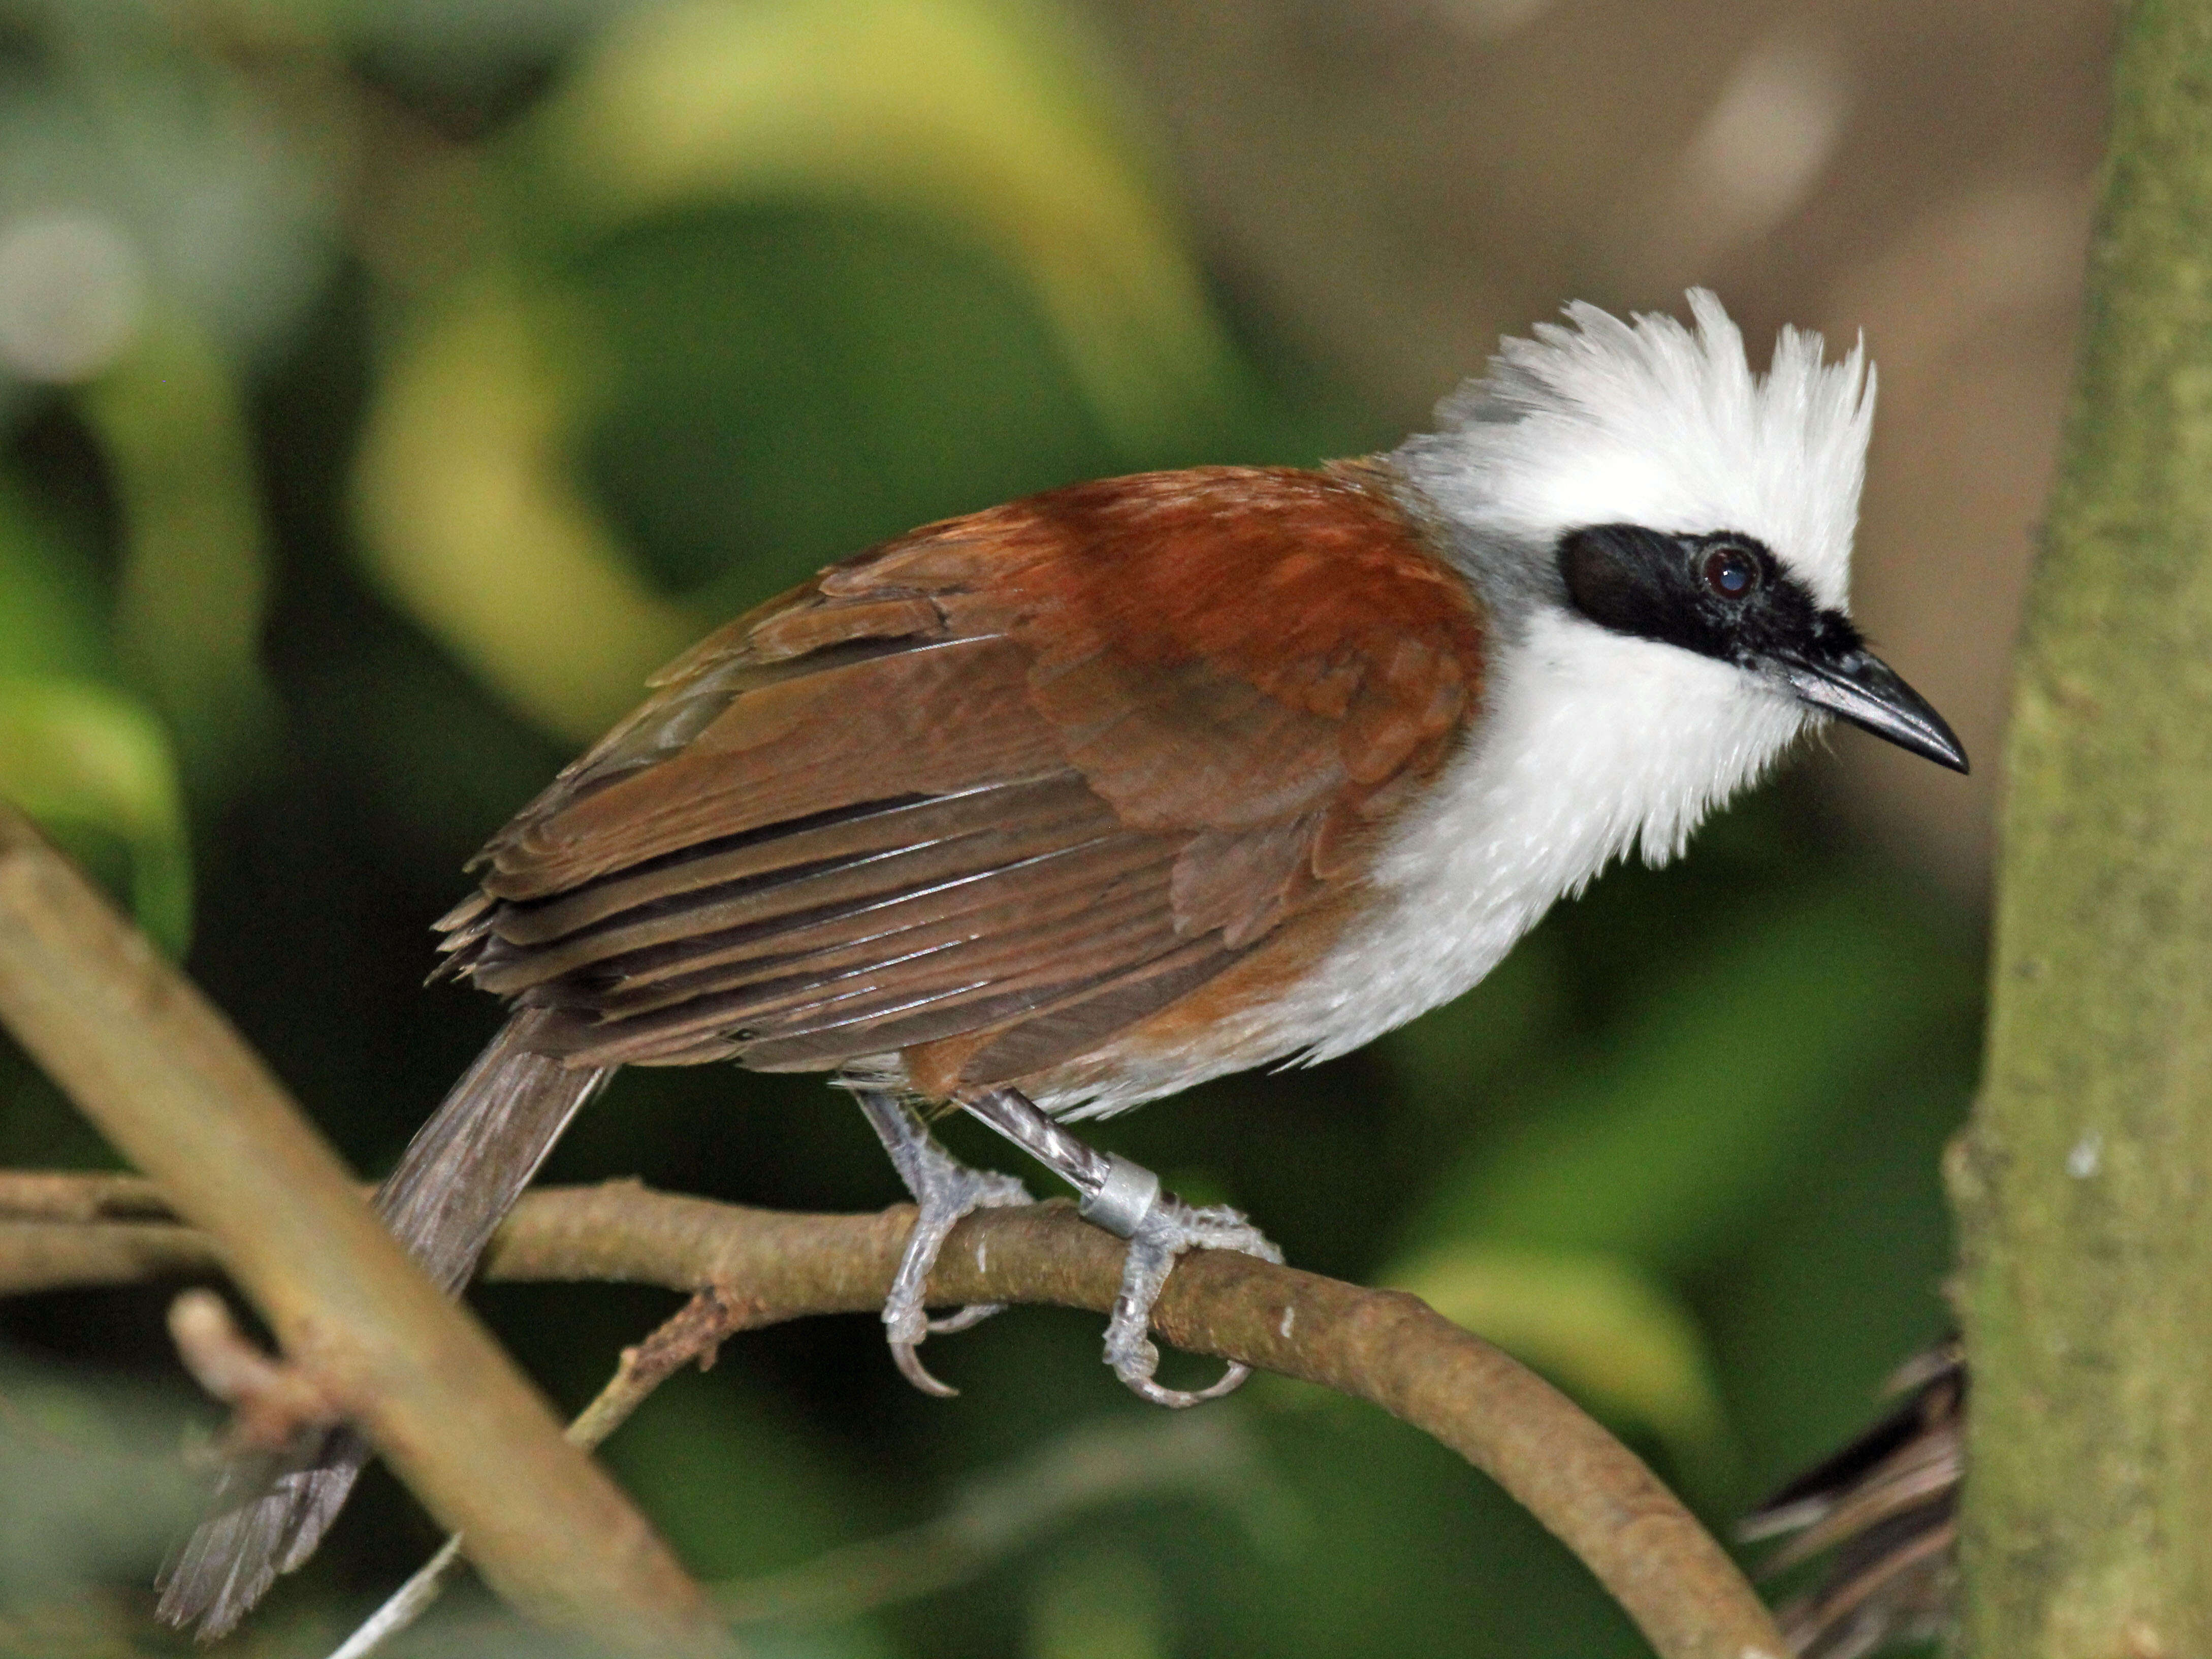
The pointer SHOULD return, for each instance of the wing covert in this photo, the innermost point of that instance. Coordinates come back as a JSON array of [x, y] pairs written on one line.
[[1025, 777]]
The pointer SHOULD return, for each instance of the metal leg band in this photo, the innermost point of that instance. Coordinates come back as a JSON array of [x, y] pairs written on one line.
[[1122, 1202]]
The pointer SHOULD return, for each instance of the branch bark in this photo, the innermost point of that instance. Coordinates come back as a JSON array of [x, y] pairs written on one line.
[[172, 1085], [2081, 1185], [1384, 1346]]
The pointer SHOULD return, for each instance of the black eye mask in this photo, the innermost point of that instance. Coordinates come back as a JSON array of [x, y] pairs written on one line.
[[1721, 595], [1725, 596]]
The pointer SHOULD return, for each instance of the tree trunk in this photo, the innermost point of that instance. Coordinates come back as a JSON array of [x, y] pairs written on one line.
[[2084, 1185]]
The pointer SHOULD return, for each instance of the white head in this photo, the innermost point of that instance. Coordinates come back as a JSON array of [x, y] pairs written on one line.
[[1671, 534], [1645, 422]]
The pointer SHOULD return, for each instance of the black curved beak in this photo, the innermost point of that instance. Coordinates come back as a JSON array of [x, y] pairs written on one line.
[[1859, 687]]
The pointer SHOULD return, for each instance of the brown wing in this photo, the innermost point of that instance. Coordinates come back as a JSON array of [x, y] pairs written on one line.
[[1028, 775]]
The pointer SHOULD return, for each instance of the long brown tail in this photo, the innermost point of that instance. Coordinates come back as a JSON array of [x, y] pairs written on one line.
[[1887, 1506], [461, 1174]]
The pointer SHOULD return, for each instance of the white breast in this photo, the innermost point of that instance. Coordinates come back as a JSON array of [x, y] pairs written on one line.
[[1590, 743], [1593, 744]]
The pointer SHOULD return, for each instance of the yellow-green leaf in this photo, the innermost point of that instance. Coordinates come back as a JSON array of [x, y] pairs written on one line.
[[1608, 1332], [969, 114], [472, 519], [73, 753]]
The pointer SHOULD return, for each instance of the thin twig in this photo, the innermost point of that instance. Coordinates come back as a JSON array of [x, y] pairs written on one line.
[[31, 1195], [405, 1605], [1384, 1346], [273, 1405], [149, 1060], [694, 1332]]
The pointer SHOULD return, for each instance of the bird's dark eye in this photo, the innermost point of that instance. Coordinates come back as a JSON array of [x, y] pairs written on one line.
[[1731, 572]]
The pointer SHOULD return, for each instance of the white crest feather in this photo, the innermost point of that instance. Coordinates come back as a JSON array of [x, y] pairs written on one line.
[[1645, 422]]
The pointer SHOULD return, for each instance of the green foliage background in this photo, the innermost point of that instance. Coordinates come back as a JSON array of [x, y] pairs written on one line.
[[474, 357]]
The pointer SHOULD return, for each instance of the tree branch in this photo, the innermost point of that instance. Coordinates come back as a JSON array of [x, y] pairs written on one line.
[[1383, 1346], [2085, 1209], [169, 1082], [172, 1085], [693, 1334]]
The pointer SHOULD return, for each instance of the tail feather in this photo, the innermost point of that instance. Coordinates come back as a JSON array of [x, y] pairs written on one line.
[[463, 1171], [459, 1176], [1885, 1510]]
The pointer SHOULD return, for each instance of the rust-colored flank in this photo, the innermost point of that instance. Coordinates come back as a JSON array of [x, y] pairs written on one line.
[[1003, 794]]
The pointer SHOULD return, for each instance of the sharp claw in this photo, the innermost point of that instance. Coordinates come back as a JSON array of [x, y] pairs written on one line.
[[1166, 1234], [1177, 1399], [1134, 1362], [911, 1368], [974, 1313], [943, 1190]]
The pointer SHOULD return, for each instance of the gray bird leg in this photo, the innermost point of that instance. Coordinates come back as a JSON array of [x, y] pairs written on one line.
[[1125, 1199], [943, 1190]]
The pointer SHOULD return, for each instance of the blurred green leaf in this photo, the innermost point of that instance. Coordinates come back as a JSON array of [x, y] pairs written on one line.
[[1415, 1552], [1211, 1459], [472, 518], [1450, 1055], [222, 207], [798, 396], [90, 1484], [171, 418], [1609, 1333], [1665, 1146], [773, 1497], [52, 621], [791, 383], [74, 753], [974, 114], [1098, 1601]]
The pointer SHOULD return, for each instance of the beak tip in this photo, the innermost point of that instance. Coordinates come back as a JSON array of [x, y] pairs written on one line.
[[1863, 690], [1938, 746], [1944, 748]]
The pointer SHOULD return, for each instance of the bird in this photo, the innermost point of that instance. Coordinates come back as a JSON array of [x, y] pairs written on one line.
[[1884, 1510], [1056, 808]]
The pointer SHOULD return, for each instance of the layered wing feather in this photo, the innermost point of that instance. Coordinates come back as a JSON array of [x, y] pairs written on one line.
[[1026, 777]]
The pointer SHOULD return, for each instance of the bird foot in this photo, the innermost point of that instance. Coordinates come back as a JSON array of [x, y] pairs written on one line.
[[1164, 1228], [944, 1190], [1125, 1199]]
